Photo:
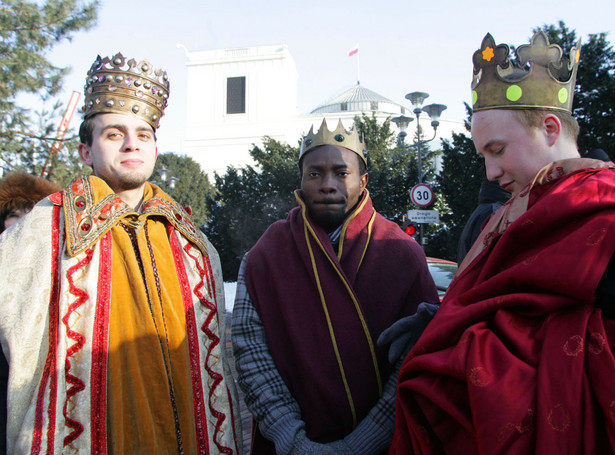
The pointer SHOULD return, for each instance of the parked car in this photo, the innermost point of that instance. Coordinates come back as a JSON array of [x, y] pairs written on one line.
[[442, 272]]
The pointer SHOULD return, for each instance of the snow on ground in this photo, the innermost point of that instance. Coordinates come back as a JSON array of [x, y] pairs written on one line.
[[229, 294]]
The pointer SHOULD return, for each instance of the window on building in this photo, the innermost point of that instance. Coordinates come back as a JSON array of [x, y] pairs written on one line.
[[344, 107], [236, 95], [374, 105]]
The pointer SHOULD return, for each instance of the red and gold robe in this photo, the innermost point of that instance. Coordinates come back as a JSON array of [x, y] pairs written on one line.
[[113, 325], [519, 359]]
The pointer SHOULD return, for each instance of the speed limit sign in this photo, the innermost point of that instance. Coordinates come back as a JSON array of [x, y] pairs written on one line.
[[421, 195]]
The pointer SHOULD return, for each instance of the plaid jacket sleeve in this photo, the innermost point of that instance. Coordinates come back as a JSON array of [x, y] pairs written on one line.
[[266, 395]]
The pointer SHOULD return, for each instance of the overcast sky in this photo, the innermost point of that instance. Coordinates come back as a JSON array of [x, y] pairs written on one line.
[[403, 46]]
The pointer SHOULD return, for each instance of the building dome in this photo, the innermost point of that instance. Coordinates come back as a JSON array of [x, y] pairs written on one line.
[[359, 99]]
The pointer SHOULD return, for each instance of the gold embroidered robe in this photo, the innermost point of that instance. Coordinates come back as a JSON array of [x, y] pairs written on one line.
[[113, 325]]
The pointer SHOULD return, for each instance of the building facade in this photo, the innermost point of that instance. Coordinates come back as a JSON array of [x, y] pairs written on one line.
[[237, 96]]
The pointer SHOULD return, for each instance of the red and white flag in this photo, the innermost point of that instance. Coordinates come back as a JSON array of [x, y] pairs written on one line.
[[355, 50]]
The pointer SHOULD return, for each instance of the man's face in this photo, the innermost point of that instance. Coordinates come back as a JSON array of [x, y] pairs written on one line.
[[331, 184], [123, 151], [513, 154]]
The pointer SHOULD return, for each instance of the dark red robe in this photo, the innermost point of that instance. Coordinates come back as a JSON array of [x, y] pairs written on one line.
[[518, 359], [322, 314]]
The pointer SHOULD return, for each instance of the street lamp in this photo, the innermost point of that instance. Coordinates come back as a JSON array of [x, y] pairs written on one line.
[[164, 177], [402, 123], [433, 111]]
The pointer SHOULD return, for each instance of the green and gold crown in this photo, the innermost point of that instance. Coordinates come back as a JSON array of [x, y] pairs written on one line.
[[338, 137], [114, 85], [544, 79]]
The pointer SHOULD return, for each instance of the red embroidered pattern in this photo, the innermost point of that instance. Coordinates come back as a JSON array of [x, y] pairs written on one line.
[[193, 343], [77, 385], [49, 371], [99, 356], [205, 272]]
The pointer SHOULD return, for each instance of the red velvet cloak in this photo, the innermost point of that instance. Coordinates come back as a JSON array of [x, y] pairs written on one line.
[[518, 360], [322, 314]]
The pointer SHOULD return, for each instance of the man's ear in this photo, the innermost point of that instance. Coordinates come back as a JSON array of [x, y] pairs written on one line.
[[364, 180], [85, 154], [552, 127]]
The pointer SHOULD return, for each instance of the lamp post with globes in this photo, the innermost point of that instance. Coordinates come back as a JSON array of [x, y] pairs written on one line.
[[167, 183], [433, 111]]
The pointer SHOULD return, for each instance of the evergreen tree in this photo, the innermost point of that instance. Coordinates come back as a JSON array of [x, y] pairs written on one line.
[[192, 187], [248, 200], [36, 158], [392, 168], [594, 98], [463, 170], [28, 30]]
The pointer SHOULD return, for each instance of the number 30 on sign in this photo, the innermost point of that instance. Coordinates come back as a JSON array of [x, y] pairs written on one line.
[[421, 195]]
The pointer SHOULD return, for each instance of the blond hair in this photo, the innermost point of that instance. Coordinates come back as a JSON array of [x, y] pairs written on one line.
[[532, 118]]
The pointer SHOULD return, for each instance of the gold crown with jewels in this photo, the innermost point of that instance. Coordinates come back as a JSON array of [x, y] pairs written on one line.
[[544, 78], [114, 85], [338, 137]]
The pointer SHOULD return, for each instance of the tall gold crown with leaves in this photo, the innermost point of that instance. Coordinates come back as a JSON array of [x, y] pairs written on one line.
[[115, 85], [338, 137], [543, 79]]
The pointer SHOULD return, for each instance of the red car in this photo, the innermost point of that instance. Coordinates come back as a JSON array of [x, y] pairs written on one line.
[[442, 272]]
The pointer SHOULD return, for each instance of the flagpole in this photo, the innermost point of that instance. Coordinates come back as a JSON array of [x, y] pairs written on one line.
[[358, 69], [354, 51]]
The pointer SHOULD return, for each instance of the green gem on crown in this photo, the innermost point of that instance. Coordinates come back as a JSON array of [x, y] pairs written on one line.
[[513, 93], [562, 95]]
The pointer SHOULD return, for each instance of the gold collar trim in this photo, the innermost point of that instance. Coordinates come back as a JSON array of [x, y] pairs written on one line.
[[87, 220]]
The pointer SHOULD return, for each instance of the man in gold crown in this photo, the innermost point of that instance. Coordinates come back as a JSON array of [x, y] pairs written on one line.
[[112, 302], [519, 357], [313, 295]]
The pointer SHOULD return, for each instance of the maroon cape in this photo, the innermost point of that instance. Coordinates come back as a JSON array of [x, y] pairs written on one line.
[[518, 360], [322, 314]]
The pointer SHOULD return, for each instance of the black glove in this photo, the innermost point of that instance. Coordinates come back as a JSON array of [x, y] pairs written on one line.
[[404, 333]]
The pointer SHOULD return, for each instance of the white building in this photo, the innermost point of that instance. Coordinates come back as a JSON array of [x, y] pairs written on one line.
[[237, 96]]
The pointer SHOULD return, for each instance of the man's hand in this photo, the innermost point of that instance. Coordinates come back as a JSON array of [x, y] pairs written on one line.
[[404, 334]]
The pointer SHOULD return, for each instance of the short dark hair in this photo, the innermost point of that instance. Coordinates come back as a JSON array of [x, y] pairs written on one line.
[[362, 165], [532, 118], [86, 130]]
